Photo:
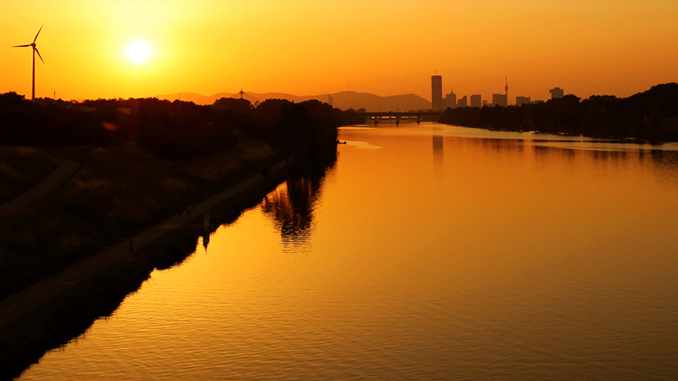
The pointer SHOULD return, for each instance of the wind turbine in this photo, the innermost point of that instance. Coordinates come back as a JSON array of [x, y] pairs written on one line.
[[35, 50]]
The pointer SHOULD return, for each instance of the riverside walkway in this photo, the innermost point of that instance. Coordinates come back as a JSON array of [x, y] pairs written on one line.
[[65, 170], [20, 304]]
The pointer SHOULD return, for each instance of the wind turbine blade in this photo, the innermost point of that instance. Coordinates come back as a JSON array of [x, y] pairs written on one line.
[[37, 51], [36, 36], [21, 46]]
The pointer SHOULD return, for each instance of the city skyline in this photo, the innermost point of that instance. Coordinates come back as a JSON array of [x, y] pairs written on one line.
[[589, 48], [476, 100]]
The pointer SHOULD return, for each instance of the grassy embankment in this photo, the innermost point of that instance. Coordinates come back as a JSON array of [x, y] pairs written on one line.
[[116, 193], [20, 169]]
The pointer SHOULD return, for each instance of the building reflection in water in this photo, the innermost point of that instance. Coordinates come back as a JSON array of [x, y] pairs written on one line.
[[438, 156], [291, 207]]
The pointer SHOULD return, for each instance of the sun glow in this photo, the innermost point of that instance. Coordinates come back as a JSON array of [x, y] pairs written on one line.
[[123, 48], [138, 52]]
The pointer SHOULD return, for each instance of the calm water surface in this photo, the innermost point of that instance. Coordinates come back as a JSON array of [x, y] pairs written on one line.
[[427, 253]]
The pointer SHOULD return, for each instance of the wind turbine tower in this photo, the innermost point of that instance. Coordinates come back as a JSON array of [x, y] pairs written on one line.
[[35, 50]]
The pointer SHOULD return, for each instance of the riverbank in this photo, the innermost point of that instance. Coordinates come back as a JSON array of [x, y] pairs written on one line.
[[21, 168], [117, 192], [69, 312], [647, 117], [141, 162]]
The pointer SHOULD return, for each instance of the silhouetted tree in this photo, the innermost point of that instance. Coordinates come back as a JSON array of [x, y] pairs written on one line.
[[173, 129], [642, 116]]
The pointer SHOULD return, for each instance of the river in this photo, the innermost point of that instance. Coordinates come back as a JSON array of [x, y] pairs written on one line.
[[427, 252]]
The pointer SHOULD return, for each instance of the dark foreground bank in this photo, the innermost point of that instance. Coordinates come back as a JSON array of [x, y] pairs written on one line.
[[141, 162], [66, 317]]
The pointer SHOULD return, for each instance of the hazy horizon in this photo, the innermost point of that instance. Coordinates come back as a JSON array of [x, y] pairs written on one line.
[[237, 95]]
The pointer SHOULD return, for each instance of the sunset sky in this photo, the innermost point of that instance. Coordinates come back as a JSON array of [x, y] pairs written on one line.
[[587, 47]]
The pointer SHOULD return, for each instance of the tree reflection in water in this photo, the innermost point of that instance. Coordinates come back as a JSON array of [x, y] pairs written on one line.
[[291, 207]]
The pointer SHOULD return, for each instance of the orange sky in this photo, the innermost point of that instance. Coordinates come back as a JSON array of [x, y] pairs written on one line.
[[587, 47]]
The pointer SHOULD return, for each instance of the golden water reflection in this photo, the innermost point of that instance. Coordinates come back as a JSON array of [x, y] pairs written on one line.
[[426, 255]]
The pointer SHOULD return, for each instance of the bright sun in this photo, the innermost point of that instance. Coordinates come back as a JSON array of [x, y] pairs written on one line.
[[138, 52]]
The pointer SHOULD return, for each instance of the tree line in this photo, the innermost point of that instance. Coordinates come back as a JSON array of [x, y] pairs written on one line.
[[172, 129], [650, 116]]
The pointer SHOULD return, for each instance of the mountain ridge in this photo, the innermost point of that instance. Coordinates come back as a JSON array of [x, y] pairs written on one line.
[[343, 100]]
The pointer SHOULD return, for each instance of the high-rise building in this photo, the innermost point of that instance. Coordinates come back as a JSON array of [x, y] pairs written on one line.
[[522, 101], [437, 93], [499, 100], [476, 100], [463, 102], [451, 99], [557, 93]]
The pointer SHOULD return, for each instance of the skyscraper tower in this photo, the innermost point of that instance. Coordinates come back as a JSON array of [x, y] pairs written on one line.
[[437, 93], [451, 100]]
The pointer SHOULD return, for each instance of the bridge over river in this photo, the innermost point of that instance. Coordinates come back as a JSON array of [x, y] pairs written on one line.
[[397, 116]]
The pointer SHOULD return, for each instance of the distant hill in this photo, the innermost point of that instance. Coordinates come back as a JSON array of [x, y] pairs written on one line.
[[343, 100], [351, 99]]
